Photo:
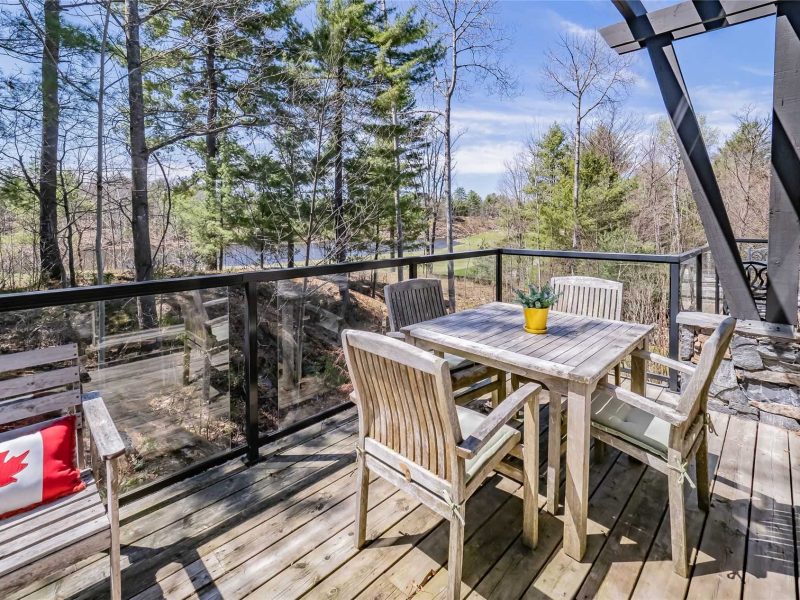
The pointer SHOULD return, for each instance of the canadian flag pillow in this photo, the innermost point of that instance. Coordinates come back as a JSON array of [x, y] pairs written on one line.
[[37, 465]]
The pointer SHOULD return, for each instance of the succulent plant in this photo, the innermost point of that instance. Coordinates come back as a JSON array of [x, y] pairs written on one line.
[[543, 297]]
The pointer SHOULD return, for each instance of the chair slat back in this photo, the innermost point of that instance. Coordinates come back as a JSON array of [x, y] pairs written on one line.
[[24, 394], [404, 400], [413, 301], [588, 296], [694, 396]]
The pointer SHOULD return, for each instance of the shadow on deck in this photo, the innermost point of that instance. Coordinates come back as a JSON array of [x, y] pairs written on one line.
[[282, 529]]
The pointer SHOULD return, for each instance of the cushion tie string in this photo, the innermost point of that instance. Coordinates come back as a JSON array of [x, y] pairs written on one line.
[[456, 508], [684, 473], [710, 424]]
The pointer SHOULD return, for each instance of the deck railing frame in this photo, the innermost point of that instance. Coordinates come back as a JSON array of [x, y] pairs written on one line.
[[248, 281]]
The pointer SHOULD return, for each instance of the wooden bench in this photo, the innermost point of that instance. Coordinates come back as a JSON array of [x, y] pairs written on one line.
[[208, 335], [60, 533]]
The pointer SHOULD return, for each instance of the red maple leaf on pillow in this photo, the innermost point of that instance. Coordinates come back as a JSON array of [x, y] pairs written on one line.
[[9, 468]]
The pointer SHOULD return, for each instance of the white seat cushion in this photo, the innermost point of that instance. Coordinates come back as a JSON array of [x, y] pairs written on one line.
[[630, 423], [457, 362], [469, 421]]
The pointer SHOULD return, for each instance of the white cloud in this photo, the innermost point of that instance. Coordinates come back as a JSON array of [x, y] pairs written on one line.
[[720, 104], [758, 72], [572, 28], [485, 158]]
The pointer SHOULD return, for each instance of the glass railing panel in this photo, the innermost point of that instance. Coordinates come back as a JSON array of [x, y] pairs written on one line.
[[302, 370], [164, 376], [472, 279]]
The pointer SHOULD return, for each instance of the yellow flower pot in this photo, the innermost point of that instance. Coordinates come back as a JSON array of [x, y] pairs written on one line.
[[536, 320]]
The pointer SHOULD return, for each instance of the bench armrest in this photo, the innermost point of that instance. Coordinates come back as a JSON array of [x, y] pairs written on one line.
[[665, 361], [106, 438], [397, 335], [667, 413], [501, 415]]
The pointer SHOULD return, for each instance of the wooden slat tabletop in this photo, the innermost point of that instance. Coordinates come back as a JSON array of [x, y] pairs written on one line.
[[574, 348]]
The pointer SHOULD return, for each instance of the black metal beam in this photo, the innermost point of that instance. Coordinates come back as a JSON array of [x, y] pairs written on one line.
[[697, 163], [681, 20], [784, 193]]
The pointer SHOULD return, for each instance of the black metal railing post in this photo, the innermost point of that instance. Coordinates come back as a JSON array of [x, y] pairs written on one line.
[[674, 309], [699, 281], [498, 275], [412, 271], [251, 370]]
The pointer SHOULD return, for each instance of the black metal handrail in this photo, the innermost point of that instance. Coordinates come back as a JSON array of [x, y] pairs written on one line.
[[249, 281]]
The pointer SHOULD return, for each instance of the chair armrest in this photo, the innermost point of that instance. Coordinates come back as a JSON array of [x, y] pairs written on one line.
[[665, 361], [106, 438], [397, 335], [667, 413], [501, 415]]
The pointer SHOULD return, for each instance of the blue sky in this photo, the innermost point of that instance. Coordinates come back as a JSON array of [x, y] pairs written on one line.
[[725, 71]]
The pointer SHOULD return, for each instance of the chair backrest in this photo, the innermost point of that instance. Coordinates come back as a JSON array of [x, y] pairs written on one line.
[[405, 401], [27, 390], [694, 396], [588, 296], [413, 301]]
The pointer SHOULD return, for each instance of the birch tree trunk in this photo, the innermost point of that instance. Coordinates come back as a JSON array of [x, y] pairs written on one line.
[[576, 180], [448, 169]]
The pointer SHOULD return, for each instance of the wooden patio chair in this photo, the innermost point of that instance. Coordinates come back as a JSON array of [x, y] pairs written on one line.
[[416, 300], [588, 297], [209, 336], [666, 433], [62, 532], [412, 434]]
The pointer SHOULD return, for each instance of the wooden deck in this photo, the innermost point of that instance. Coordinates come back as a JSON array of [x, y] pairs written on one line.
[[282, 529]]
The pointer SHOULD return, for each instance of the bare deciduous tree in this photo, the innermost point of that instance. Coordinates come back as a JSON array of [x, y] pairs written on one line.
[[583, 68], [474, 44]]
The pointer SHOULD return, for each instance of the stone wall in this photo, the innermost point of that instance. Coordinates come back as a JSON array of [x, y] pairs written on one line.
[[759, 378]]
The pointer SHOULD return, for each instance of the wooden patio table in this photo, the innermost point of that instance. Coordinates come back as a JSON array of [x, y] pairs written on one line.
[[570, 360]]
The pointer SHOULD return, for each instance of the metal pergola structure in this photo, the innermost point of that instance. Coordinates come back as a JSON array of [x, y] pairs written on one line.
[[655, 32]]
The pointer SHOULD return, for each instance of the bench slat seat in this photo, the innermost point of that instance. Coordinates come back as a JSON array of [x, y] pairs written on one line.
[[39, 535]]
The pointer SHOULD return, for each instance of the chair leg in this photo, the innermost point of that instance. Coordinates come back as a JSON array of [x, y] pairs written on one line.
[[617, 375], [514, 382], [701, 466], [530, 474], [362, 500], [598, 451], [499, 392], [554, 452], [456, 557], [677, 520]]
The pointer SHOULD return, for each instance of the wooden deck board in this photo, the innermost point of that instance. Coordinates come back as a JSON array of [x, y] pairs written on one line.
[[770, 561], [656, 577], [283, 529]]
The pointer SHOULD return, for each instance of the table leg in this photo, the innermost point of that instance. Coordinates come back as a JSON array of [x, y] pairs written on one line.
[[638, 373], [553, 452], [500, 392], [576, 505]]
